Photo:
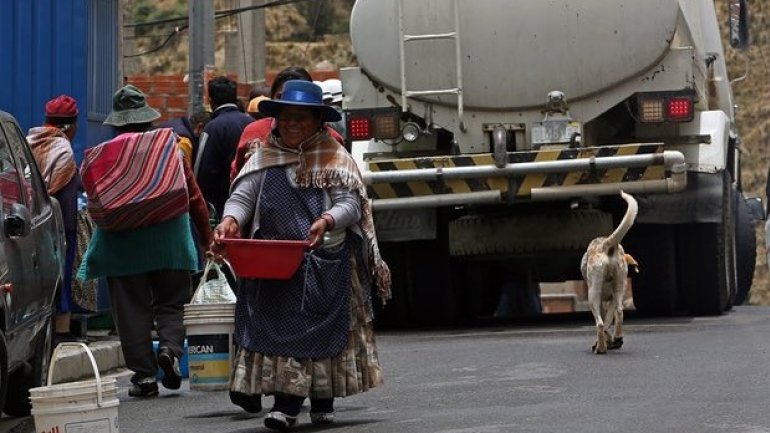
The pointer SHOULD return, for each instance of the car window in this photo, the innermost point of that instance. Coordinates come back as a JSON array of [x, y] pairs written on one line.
[[9, 177], [30, 179]]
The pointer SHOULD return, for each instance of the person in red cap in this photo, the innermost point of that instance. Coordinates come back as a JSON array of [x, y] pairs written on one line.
[[51, 146]]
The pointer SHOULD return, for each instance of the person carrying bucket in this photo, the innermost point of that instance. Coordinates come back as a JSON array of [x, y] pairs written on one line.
[[147, 267], [315, 327]]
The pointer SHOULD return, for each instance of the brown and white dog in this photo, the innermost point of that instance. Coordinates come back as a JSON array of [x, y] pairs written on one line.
[[605, 269]]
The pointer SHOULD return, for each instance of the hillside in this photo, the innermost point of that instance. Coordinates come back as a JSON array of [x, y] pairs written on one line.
[[295, 42], [753, 119]]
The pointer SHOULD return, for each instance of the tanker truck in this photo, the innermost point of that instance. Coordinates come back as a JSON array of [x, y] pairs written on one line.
[[495, 137]]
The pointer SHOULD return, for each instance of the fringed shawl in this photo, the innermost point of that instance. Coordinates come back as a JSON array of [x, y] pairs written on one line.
[[324, 163], [54, 157]]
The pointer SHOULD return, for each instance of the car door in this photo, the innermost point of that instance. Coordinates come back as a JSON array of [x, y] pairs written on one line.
[[22, 260], [46, 224]]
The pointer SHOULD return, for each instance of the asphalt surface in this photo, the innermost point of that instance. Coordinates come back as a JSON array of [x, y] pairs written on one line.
[[679, 374]]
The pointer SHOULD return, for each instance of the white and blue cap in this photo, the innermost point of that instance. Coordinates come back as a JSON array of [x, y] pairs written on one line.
[[300, 93]]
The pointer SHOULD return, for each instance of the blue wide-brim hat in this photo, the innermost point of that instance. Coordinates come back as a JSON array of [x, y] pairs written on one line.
[[300, 93]]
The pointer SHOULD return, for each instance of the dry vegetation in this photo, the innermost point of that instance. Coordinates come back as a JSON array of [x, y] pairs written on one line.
[[753, 119], [753, 112]]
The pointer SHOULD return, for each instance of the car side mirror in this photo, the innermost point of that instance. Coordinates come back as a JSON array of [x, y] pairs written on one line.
[[756, 208], [19, 222], [739, 24]]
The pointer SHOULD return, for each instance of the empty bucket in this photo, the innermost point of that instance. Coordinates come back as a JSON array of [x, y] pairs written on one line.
[[209, 345], [89, 406]]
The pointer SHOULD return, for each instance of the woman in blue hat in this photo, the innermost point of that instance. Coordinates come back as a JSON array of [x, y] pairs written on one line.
[[309, 336]]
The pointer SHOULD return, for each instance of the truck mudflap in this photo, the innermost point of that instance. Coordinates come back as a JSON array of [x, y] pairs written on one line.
[[548, 174]]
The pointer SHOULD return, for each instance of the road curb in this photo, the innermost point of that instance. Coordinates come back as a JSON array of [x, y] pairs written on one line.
[[72, 363]]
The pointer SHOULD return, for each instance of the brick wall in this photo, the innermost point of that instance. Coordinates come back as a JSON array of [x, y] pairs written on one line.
[[169, 93]]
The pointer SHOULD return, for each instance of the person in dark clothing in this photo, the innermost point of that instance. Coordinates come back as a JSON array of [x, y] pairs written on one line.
[[190, 130], [218, 142]]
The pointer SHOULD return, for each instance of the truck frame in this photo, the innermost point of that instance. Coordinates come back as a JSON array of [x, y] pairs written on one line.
[[495, 138]]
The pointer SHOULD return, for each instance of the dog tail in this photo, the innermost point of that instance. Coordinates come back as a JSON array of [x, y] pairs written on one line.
[[628, 220]]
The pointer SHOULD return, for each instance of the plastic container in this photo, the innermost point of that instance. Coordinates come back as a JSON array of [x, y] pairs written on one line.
[[86, 407], [182, 361], [210, 348], [265, 259]]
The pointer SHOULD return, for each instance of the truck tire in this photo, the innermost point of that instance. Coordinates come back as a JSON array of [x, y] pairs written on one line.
[[483, 235], [655, 286], [745, 250], [424, 284], [25, 378], [706, 260]]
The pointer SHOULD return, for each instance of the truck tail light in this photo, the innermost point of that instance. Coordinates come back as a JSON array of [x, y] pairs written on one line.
[[359, 128], [679, 109], [666, 107], [374, 123]]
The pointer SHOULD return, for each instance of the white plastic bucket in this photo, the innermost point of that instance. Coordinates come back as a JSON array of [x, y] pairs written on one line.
[[89, 406], [210, 348]]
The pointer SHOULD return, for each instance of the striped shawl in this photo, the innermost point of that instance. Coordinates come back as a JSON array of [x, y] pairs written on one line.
[[54, 157]]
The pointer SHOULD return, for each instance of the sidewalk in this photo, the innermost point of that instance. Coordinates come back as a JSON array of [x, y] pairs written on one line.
[[72, 363]]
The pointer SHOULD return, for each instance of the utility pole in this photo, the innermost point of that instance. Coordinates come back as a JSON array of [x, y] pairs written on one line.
[[201, 51], [245, 43]]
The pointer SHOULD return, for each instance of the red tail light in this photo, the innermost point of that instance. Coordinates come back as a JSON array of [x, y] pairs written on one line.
[[359, 128], [679, 109]]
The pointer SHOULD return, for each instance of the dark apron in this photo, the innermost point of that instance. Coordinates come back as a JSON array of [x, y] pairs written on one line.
[[307, 316]]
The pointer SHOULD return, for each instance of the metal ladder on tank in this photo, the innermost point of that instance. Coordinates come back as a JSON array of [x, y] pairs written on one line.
[[405, 93]]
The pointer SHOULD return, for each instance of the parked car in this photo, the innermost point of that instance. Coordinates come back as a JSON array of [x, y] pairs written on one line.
[[31, 263]]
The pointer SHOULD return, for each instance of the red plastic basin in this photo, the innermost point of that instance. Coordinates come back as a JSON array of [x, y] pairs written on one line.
[[265, 259]]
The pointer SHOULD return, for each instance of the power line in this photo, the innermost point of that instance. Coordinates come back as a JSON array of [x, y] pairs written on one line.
[[217, 15]]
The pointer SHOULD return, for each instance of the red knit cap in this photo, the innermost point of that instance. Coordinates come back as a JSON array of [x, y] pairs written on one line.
[[61, 107]]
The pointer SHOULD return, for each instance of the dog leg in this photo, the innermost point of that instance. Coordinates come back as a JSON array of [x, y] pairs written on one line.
[[595, 301], [620, 289]]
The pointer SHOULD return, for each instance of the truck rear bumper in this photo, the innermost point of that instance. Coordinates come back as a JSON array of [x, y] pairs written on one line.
[[537, 175]]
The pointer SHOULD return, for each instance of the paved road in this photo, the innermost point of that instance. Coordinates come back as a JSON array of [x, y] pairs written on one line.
[[685, 375]]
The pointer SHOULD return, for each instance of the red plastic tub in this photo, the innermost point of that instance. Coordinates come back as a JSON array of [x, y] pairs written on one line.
[[265, 259]]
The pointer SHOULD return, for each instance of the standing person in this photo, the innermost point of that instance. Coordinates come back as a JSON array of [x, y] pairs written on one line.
[[257, 95], [189, 129], [218, 143], [51, 146], [148, 268], [256, 133], [333, 96], [315, 328]]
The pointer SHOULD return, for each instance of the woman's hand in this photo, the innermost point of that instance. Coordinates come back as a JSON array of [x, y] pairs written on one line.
[[228, 228], [317, 230]]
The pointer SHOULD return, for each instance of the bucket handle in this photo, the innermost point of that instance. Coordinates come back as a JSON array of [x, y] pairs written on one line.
[[93, 365]]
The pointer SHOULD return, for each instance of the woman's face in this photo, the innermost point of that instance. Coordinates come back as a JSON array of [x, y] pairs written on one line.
[[297, 124]]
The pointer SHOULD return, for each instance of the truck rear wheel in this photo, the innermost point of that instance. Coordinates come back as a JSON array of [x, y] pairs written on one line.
[[706, 261], [424, 287], [654, 287], [745, 250]]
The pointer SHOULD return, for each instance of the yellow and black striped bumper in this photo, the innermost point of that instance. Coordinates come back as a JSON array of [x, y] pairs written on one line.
[[599, 165]]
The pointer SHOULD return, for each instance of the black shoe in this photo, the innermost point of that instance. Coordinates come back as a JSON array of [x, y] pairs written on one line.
[[321, 418], [249, 403], [144, 387], [275, 420], [172, 378]]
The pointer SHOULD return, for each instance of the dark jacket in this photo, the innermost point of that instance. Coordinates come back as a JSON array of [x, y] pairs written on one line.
[[217, 152]]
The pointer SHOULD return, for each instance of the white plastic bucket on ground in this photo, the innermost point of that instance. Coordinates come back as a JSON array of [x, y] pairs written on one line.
[[89, 406], [209, 345]]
